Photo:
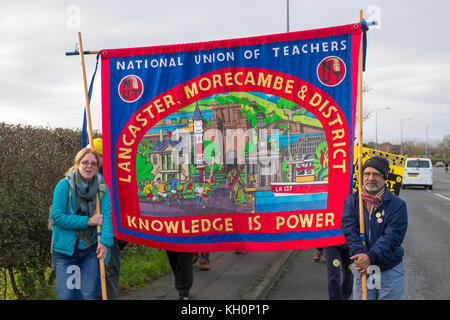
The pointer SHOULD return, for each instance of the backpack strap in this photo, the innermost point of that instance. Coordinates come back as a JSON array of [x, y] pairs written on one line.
[[101, 190], [69, 203], [50, 219], [101, 187]]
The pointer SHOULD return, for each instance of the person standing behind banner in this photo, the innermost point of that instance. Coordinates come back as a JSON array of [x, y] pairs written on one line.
[[203, 258], [318, 254], [338, 261], [385, 221], [183, 271], [74, 235]]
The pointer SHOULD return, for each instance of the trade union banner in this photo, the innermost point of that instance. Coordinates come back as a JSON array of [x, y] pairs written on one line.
[[242, 144], [396, 168]]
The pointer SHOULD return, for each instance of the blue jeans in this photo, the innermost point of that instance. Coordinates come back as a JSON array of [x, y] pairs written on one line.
[[76, 275], [391, 288]]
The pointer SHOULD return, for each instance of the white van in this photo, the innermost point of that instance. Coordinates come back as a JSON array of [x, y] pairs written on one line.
[[418, 172]]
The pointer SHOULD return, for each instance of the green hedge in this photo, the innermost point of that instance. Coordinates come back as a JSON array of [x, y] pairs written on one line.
[[33, 160]]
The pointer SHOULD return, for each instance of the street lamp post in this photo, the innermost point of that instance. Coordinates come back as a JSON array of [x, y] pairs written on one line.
[[376, 124], [445, 149], [426, 140], [401, 134], [287, 15]]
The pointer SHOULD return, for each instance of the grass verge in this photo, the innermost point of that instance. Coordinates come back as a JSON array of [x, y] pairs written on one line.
[[140, 265]]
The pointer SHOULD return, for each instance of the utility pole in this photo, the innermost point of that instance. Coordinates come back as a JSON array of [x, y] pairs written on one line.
[[287, 15], [401, 134], [376, 124], [426, 140]]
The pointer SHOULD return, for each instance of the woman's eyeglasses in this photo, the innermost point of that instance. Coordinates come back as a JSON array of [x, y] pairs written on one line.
[[87, 163]]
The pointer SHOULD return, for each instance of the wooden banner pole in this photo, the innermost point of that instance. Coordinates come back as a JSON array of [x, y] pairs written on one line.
[[86, 92], [91, 143], [360, 153]]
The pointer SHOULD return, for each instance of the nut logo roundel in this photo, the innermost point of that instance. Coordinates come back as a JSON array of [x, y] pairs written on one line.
[[331, 71], [130, 88]]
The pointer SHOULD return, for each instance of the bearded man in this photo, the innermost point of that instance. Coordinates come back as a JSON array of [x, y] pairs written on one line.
[[385, 221]]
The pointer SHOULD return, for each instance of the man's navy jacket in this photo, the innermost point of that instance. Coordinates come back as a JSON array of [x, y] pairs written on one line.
[[384, 229]]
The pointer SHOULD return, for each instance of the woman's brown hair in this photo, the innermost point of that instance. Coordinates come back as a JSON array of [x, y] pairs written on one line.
[[80, 155]]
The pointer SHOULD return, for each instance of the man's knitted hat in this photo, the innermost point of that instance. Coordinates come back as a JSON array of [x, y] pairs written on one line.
[[379, 163]]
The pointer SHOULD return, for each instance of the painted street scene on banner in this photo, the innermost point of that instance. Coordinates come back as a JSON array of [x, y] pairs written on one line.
[[233, 152]]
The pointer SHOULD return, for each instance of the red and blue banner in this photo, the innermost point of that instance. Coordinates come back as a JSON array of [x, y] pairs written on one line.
[[242, 144]]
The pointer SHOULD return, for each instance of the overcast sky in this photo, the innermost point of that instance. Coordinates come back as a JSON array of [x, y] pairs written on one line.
[[408, 61]]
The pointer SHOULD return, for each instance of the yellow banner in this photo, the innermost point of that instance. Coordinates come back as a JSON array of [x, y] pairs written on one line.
[[397, 166]]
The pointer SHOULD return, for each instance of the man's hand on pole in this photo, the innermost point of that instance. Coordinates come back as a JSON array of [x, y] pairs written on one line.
[[362, 262]]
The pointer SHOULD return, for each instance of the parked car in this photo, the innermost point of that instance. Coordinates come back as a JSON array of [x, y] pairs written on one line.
[[439, 164], [418, 172]]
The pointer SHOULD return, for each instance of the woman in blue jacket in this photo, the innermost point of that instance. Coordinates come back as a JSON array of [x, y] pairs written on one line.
[[74, 235]]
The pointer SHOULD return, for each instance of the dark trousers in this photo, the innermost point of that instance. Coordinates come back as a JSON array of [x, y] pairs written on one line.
[[183, 270], [113, 271], [338, 259]]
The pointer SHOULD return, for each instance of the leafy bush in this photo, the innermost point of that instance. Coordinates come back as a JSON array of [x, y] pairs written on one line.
[[33, 160]]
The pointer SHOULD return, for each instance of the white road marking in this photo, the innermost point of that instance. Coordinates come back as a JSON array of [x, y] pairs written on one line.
[[443, 197]]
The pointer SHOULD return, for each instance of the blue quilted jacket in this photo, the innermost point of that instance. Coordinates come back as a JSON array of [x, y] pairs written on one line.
[[385, 229], [66, 224]]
